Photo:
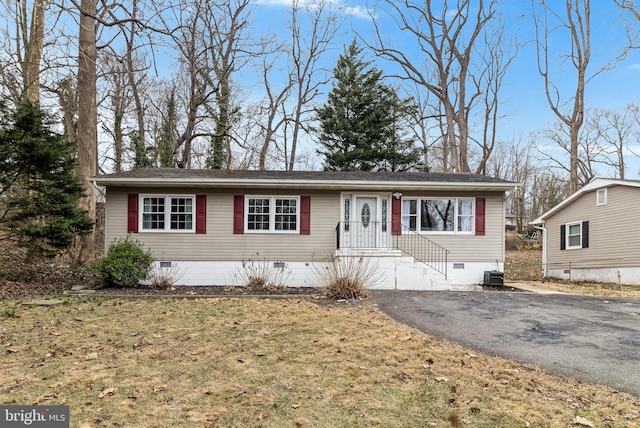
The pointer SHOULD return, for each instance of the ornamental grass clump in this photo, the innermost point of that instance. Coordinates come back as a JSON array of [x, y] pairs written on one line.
[[125, 265], [164, 275], [262, 275], [348, 277]]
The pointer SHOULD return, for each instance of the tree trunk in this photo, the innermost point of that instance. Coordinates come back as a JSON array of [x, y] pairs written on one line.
[[33, 52], [68, 99], [87, 123]]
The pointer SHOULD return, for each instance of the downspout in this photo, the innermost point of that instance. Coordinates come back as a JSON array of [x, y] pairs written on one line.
[[544, 249]]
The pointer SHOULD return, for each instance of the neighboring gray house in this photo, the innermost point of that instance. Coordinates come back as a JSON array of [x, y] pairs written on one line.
[[424, 231], [594, 235]]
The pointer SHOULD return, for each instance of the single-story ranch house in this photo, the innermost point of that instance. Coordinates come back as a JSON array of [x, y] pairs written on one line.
[[594, 234], [423, 231]]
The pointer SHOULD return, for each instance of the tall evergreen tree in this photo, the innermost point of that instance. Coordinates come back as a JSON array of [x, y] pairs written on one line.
[[140, 152], [38, 187], [167, 138], [361, 124]]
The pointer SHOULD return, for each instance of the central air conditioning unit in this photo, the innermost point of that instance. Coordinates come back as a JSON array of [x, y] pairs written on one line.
[[493, 277]]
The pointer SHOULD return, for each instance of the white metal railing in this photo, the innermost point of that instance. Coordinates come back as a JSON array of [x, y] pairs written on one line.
[[374, 234]]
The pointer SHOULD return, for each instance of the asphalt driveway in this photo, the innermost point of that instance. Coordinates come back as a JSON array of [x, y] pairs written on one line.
[[592, 339]]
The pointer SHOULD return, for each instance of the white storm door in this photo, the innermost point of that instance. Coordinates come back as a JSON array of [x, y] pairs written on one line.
[[365, 222]]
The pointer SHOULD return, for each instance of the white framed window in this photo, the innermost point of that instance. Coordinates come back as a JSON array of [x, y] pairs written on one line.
[[601, 197], [410, 214], [438, 215], [385, 213], [574, 235], [347, 214], [272, 214], [167, 213]]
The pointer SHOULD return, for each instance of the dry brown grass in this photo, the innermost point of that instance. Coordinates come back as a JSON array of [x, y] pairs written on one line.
[[526, 266], [523, 265], [273, 363]]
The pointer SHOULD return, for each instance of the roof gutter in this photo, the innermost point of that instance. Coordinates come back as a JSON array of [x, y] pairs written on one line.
[[306, 184]]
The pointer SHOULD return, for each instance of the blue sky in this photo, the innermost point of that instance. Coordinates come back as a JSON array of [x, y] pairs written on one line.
[[523, 90]]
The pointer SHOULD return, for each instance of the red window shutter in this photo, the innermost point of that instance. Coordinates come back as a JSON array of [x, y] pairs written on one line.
[[238, 214], [305, 215], [480, 216], [396, 216], [201, 214], [132, 213]]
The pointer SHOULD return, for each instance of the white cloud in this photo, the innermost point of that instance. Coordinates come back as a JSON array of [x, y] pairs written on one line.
[[288, 2], [274, 2], [357, 11], [635, 66]]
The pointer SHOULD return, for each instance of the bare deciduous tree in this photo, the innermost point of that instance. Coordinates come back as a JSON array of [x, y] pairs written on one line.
[[135, 71], [33, 51], [514, 161], [447, 37], [207, 36], [119, 99], [498, 56], [426, 118], [87, 121], [575, 23], [25, 43], [272, 112], [224, 26], [630, 9], [613, 133], [554, 145], [321, 24]]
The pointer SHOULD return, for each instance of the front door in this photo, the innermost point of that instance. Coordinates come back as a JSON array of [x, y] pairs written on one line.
[[366, 223]]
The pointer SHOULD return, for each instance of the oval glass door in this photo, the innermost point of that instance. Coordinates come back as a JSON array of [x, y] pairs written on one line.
[[367, 222], [365, 215]]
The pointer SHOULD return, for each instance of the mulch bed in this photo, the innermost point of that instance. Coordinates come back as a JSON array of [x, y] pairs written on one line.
[[14, 291], [209, 290]]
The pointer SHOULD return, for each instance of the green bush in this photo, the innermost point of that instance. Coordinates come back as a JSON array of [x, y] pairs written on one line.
[[126, 264]]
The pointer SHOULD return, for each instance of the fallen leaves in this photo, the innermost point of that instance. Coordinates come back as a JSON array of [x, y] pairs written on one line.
[[160, 388], [106, 392], [579, 420]]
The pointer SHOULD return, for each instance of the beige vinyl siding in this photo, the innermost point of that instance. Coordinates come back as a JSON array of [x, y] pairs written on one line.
[[468, 247], [220, 243], [614, 231]]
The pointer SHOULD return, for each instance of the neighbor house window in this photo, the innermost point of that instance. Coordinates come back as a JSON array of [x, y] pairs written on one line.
[[168, 213], [272, 214], [601, 197], [574, 235], [438, 215]]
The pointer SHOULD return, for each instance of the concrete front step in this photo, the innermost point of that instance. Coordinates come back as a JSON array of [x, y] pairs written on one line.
[[402, 272]]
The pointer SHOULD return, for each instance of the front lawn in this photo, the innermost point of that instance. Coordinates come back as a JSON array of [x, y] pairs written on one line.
[[295, 362]]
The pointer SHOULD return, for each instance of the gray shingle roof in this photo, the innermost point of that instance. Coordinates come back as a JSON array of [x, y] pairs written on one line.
[[300, 179], [175, 173]]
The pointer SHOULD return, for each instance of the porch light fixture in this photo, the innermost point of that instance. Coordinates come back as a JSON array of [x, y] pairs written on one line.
[[397, 195]]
